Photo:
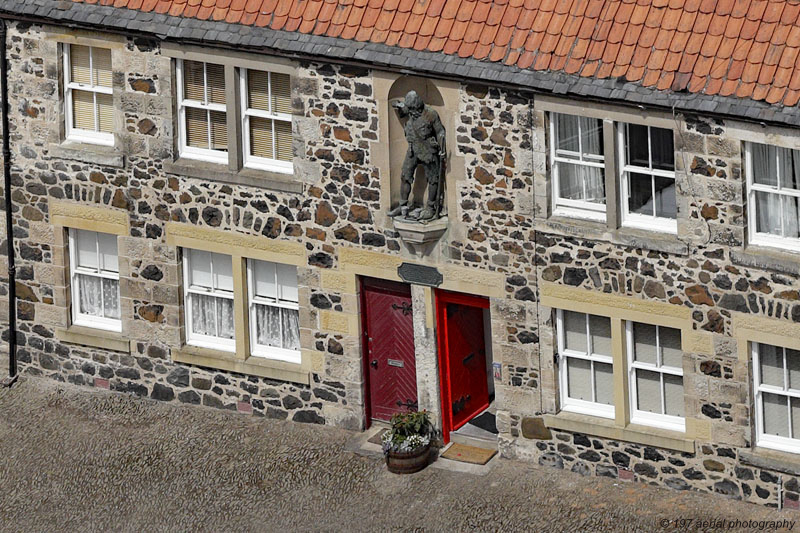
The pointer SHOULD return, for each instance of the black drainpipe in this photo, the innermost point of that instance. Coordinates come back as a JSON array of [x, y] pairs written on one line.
[[12, 278]]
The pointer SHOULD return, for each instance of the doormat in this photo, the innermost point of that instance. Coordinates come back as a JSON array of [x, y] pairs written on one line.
[[376, 438], [486, 422], [468, 454]]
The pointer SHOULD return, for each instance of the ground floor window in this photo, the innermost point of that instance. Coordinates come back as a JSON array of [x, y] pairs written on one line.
[[776, 372], [274, 310], [208, 281], [94, 273]]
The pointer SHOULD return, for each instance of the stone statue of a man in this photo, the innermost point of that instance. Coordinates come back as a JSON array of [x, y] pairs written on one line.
[[426, 146]]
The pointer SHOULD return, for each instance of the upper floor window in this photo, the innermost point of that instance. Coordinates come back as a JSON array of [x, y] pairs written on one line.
[[776, 372], [208, 285], [773, 196], [578, 164], [94, 279], [203, 122], [266, 120], [648, 177], [89, 107], [274, 310]]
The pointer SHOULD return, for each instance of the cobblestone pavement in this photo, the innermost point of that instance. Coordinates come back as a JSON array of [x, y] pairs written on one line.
[[73, 459]]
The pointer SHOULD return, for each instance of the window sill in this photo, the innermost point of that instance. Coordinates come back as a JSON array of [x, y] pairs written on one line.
[[767, 258], [788, 463], [253, 366], [95, 154], [599, 427], [598, 231], [247, 176], [96, 338]]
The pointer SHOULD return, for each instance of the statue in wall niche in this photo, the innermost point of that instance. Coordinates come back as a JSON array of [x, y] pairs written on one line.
[[426, 147]]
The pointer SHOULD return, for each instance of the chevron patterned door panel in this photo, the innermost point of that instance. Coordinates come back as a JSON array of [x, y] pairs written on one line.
[[389, 342]]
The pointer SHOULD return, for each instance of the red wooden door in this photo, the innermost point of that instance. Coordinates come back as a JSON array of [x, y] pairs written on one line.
[[389, 343], [462, 358]]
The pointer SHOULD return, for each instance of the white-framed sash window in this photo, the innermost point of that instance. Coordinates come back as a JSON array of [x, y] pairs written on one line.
[[773, 195], [203, 122], [208, 299], [578, 164], [648, 177], [94, 279], [585, 363], [655, 360], [274, 310], [88, 94], [776, 376], [266, 120]]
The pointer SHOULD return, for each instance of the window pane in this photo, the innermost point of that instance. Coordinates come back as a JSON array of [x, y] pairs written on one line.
[[281, 93], [83, 110], [600, 331], [105, 113], [765, 169], [662, 148], [86, 249], [671, 352], [793, 366], [648, 391], [644, 343], [108, 252], [287, 280], [776, 414], [219, 131], [261, 139], [665, 197], [197, 128], [258, 90], [640, 199], [570, 183], [225, 326], [790, 170], [193, 84], [101, 64], [770, 359], [203, 315], [637, 145], [575, 331], [199, 269], [268, 325], [265, 283], [90, 295], [215, 77], [790, 214], [283, 140], [111, 298], [592, 136], [291, 329], [223, 272], [604, 383], [673, 395], [567, 132], [79, 64], [768, 213], [795, 417], [579, 379]]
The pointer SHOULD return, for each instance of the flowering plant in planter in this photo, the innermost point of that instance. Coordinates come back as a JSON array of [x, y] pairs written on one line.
[[406, 445]]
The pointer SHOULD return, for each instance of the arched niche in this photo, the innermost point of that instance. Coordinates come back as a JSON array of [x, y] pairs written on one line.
[[397, 141]]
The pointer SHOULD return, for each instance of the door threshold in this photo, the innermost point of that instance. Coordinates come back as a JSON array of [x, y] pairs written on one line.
[[478, 441]]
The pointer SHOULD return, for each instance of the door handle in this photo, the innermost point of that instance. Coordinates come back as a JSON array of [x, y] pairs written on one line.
[[374, 363], [467, 358]]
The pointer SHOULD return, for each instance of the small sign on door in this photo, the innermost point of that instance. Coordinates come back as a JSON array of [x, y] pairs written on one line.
[[395, 362], [497, 371]]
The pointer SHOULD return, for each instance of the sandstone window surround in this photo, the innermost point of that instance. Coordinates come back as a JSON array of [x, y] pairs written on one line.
[[253, 145], [94, 279], [228, 276], [88, 94]]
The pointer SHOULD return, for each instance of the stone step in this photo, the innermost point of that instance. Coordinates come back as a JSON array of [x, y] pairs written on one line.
[[478, 442]]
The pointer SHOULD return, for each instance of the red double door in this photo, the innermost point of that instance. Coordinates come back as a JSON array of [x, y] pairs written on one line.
[[390, 364], [462, 358]]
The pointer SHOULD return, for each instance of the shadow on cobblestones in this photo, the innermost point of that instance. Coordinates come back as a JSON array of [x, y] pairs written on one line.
[[73, 459]]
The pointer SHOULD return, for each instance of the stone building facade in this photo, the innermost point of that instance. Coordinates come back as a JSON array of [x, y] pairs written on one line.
[[505, 241]]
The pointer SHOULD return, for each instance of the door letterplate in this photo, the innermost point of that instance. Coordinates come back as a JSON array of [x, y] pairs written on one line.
[[395, 362]]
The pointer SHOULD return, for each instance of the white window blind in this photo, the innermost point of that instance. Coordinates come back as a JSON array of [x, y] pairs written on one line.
[[648, 177], [274, 310], [203, 114], [94, 273], [773, 195], [578, 164], [776, 371], [655, 358], [89, 102], [208, 282], [585, 363], [267, 120]]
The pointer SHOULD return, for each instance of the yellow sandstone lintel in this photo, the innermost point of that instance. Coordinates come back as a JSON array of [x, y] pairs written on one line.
[[88, 217]]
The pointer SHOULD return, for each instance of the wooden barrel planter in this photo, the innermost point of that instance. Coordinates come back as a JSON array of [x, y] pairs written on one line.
[[408, 462]]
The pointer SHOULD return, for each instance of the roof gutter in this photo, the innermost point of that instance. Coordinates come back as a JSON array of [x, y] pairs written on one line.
[[12, 278]]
